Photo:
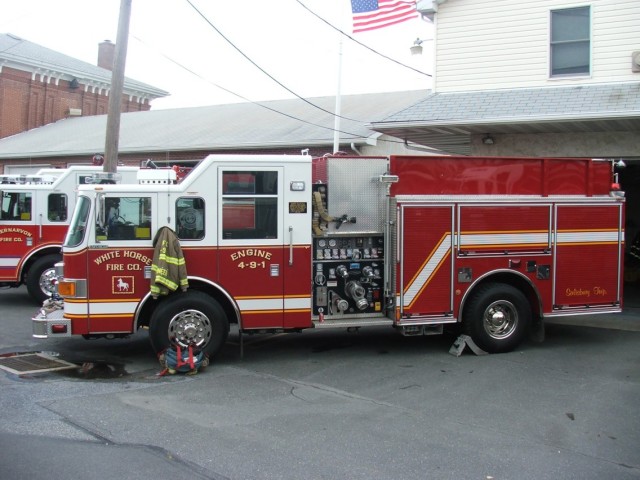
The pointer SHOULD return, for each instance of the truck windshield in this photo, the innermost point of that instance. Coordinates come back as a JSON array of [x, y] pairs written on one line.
[[78, 226]]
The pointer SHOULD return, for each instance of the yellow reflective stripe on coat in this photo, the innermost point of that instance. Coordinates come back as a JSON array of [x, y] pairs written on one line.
[[167, 283], [171, 260]]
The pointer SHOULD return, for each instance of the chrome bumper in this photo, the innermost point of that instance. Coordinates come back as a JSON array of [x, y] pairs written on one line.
[[50, 322]]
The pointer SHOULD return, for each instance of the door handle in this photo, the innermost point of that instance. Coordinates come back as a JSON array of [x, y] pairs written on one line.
[[290, 245]]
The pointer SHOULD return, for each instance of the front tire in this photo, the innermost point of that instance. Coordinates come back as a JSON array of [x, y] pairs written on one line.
[[497, 317], [41, 277], [189, 318]]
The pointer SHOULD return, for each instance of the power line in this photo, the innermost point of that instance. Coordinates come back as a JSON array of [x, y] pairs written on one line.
[[175, 62], [262, 69], [293, 117], [360, 43]]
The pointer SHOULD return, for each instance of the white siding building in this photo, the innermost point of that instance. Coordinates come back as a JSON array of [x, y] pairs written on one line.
[[530, 77]]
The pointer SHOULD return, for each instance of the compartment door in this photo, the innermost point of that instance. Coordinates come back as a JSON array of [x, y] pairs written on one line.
[[426, 260], [588, 255]]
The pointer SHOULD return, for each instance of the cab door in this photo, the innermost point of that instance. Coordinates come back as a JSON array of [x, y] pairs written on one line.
[[264, 225], [120, 248], [18, 231], [252, 238]]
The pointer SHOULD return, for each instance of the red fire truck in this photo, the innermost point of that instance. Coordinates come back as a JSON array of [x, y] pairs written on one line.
[[286, 243], [34, 217]]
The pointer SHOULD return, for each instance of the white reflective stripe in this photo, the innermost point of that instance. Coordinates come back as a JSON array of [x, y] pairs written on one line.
[[260, 304], [113, 308], [125, 308], [297, 303], [290, 303], [101, 308], [427, 271], [505, 239], [9, 261], [75, 308], [588, 237]]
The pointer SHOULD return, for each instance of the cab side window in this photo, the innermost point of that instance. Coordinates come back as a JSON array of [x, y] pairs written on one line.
[[126, 218], [249, 204], [16, 206], [190, 218], [57, 207]]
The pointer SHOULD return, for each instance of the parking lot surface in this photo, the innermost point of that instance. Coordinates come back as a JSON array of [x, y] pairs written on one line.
[[370, 404]]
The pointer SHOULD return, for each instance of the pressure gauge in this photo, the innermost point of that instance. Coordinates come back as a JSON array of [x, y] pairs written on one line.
[[322, 243], [332, 242]]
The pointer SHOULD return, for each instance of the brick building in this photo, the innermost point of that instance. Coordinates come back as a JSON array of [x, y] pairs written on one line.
[[39, 86]]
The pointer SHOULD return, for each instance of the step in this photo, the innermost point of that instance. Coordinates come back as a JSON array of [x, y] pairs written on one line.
[[353, 323]]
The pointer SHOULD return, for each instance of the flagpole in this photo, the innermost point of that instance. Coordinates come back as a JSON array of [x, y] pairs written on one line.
[[337, 112]]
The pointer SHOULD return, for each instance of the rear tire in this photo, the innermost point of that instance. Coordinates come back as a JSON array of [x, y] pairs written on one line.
[[188, 318], [497, 317], [41, 277]]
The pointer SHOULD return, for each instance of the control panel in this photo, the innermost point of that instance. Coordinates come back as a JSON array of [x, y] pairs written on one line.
[[348, 275]]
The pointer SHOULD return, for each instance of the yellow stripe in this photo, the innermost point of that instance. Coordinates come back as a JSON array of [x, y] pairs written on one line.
[[433, 252], [428, 281]]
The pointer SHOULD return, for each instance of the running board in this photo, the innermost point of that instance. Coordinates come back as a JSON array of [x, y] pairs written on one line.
[[352, 323]]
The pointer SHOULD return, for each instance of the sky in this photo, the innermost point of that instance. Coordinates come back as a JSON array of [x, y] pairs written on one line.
[[172, 47]]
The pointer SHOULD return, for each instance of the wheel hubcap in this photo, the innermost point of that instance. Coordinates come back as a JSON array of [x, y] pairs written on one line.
[[190, 327], [500, 319]]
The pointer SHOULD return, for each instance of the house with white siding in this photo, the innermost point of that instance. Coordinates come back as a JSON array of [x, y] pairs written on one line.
[[530, 77]]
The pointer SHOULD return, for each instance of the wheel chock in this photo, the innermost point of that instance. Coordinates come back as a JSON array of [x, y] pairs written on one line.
[[465, 341]]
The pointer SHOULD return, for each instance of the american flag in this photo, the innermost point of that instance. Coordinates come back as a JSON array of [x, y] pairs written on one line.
[[372, 14]]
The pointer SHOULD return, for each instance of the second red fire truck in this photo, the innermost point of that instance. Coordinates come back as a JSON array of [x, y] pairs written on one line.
[[286, 243], [34, 217]]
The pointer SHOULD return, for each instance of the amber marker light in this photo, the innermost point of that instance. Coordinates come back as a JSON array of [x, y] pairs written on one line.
[[66, 288]]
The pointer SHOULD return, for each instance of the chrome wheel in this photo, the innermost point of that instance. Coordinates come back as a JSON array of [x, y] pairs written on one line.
[[497, 317], [189, 318], [190, 327], [500, 319], [47, 281]]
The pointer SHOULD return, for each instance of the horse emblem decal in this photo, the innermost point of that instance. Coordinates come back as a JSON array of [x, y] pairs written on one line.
[[122, 284]]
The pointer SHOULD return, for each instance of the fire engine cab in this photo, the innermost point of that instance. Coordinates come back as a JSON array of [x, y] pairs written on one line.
[[34, 217], [286, 243]]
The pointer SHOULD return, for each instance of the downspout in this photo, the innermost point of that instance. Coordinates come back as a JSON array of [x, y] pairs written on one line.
[[355, 149]]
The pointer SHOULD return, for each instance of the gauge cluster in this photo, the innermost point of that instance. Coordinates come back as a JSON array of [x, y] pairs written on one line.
[[348, 275]]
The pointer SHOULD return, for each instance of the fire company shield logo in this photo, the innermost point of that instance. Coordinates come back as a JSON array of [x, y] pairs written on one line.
[[122, 285]]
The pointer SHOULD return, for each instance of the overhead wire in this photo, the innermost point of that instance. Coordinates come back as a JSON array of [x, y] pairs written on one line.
[[284, 86], [259, 104], [262, 69], [360, 43], [355, 135]]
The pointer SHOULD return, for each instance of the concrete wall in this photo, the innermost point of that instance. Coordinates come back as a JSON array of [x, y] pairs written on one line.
[[594, 145]]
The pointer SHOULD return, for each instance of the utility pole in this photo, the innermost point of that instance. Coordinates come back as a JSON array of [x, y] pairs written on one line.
[[115, 96]]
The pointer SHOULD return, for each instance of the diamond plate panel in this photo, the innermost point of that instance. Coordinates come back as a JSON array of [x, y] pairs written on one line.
[[354, 190]]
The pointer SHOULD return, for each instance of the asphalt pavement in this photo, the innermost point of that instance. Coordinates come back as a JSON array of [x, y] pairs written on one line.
[[333, 405]]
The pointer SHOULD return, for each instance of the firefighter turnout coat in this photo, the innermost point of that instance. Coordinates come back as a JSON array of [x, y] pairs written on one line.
[[169, 269]]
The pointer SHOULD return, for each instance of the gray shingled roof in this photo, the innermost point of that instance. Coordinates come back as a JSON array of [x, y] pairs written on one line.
[[216, 127], [446, 120], [20, 51]]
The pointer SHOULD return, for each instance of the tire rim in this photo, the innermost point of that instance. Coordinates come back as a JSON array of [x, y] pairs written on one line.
[[47, 281], [190, 327], [500, 319]]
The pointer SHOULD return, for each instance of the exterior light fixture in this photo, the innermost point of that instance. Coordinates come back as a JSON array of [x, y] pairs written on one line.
[[416, 48], [488, 140]]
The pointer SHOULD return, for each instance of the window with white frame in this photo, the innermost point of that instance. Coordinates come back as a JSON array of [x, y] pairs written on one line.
[[570, 41]]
